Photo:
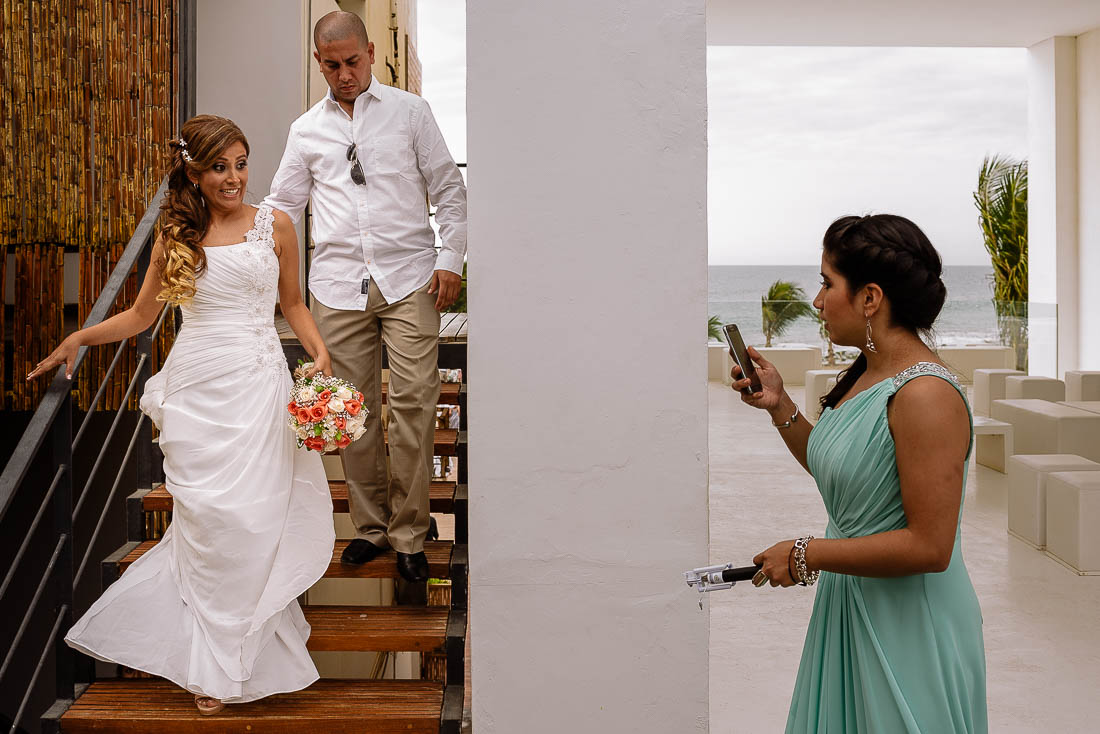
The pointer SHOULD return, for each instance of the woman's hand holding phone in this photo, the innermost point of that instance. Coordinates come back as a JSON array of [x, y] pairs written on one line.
[[770, 398]]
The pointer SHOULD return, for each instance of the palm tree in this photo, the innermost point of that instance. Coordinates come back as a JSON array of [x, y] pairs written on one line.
[[784, 303], [1001, 200], [714, 328]]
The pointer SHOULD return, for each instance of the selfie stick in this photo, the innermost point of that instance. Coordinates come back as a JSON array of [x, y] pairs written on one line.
[[714, 578]]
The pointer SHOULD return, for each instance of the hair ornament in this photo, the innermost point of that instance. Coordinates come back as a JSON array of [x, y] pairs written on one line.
[[183, 150]]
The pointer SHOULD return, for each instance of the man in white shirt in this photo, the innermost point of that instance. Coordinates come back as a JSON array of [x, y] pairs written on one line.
[[370, 156]]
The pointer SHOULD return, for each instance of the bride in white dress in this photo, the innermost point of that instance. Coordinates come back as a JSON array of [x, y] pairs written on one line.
[[212, 607]]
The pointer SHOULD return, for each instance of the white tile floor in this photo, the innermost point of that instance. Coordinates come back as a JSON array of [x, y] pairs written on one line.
[[1042, 622]]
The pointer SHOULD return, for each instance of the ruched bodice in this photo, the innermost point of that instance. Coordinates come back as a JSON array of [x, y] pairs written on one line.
[[900, 654], [213, 605]]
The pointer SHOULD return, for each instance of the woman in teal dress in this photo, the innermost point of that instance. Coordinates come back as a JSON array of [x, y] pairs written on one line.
[[895, 639]]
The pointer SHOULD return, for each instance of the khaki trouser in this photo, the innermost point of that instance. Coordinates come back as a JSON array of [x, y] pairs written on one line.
[[389, 508]]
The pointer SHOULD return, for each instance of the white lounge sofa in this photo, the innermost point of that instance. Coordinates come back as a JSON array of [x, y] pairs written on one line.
[[1042, 427], [964, 360], [1027, 492]]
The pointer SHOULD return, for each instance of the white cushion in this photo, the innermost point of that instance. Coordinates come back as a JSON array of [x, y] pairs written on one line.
[[1082, 385], [989, 385], [1018, 387]]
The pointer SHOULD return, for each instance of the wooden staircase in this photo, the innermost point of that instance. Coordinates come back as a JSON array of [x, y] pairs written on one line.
[[333, 706]]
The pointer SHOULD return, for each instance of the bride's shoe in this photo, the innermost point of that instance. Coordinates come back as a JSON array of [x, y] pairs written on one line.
[[208, 706]]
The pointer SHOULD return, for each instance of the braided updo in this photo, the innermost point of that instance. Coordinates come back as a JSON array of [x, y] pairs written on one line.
[[202, 139], [894, 253]]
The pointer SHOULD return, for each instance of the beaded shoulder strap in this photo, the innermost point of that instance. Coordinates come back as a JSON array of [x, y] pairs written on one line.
[[931, 368], [263, 227], [924, 368]]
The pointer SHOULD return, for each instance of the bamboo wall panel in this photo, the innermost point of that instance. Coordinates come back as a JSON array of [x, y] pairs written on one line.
[[88, 94]]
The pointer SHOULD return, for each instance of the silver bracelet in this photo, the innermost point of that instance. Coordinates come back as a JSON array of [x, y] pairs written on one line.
[[790, 421], [805, 576]]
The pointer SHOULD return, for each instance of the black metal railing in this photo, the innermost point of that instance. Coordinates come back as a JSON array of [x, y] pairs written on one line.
[[50, 434]]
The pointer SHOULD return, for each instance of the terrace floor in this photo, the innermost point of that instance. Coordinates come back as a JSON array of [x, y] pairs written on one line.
[[1041, 621]]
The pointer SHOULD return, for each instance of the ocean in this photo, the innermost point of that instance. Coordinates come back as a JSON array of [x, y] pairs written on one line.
[[735, 292]]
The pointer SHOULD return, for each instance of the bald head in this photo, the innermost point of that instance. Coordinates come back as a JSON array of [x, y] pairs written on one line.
[[339, 25]]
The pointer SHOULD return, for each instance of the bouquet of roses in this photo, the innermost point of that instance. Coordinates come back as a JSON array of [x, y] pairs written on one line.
[[326, 413]]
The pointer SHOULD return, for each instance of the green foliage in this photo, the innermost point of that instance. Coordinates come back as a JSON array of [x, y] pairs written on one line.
[[1001, 200], [714, 328], [783, 304]]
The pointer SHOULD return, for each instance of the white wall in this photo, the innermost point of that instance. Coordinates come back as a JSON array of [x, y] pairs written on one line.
[[588, 404], [1052, 206], [1088, 131], [252, 69]]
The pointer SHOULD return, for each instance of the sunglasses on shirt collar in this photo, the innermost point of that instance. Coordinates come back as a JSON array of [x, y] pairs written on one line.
[[356, 170]]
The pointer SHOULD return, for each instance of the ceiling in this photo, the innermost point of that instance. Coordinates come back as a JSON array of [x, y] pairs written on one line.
[[896, 22]]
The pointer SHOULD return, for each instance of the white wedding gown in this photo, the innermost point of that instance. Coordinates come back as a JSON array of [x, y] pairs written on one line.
[[212, 607]]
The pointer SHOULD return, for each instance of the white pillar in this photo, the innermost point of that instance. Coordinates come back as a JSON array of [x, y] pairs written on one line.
[[588, 405], [1088, 130], [1052, 207]]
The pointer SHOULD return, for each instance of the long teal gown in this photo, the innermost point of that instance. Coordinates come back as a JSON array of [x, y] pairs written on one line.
[[884, 655]]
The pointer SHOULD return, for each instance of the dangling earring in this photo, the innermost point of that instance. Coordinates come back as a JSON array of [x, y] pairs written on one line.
[[870, 341]]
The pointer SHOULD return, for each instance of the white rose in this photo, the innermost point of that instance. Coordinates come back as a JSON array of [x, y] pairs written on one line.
[[335, 404], [357, 430], [344, 393]]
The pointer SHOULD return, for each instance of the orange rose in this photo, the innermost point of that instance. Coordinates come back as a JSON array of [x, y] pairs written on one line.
[[352, 406], [339, 422], [325, 394], [303, 415], [317, 411], [359, 396], [343, 441], [316, 443], [292, 407]]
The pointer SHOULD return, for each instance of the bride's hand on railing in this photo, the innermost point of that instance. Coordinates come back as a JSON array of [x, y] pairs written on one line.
[[767, 399], [64, 354]]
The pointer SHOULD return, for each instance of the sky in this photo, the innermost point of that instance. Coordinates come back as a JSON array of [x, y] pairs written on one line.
[[800, 136]]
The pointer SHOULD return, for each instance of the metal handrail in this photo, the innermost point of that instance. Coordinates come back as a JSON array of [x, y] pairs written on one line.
[[53, 422], [31, 441]]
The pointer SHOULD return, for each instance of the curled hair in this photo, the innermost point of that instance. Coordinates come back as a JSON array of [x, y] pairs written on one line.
[[203, 138], [893, 253]]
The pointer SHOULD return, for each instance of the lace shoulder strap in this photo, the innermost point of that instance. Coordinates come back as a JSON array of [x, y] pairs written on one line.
[[263, 226]]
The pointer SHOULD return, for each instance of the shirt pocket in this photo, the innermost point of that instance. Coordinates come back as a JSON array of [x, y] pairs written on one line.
[[393, 155]]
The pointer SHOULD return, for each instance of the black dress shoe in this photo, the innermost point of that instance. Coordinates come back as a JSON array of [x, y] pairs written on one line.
[[413, 567], [360, 551]]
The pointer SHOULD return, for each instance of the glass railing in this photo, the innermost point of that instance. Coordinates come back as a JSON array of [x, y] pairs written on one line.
[[962, 323]]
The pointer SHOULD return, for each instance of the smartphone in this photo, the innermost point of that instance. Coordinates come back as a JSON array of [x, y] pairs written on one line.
[[741, 356]]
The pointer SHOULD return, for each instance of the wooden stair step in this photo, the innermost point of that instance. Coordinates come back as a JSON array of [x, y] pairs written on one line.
[[383, 567], [135, 706], [377, 629], [448, 392], [446, 442], [441, 496]]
